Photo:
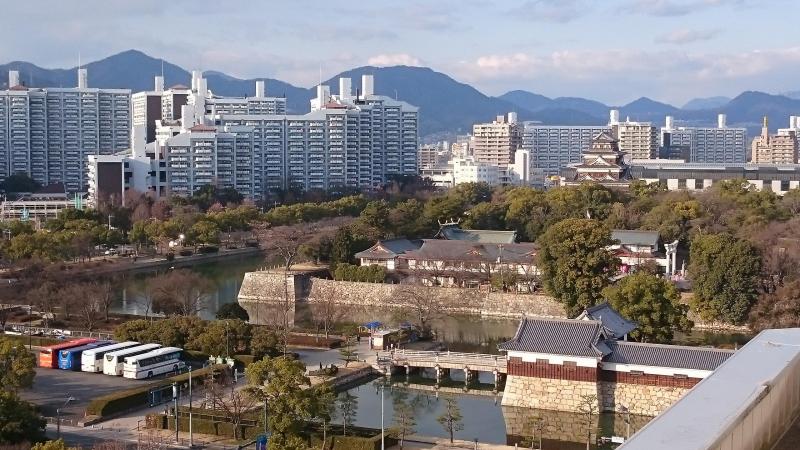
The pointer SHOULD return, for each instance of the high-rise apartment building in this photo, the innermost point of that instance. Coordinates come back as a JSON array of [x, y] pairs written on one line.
[[495, 143], [49, 133], [780, 148], [555, 147], [637, 140], [722, 145], [346, 140], [253, 146]]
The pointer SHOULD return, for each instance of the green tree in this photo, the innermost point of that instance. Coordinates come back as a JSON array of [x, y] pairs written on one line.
[[725, 273], [58, 444], [405, 217], [19, 420], [223, 338], [282, 384], [264, 343], [347, 351], [487, 216], [17, 365], [404, 421], [205, 232], [451, 419], [348, 407], [376, 215], [19, 182], [652, 302], [232, 311], [575, 262]]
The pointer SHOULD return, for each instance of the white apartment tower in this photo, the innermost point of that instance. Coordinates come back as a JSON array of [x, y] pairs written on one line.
[[637, 140], [48, 133], [346, 140], [720, 145], [495, 143]]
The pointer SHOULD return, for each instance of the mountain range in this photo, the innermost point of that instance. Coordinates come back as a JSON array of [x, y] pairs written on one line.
[[446, 106]]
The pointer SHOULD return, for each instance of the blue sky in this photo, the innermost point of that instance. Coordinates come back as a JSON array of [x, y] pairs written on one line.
[[609, 50]]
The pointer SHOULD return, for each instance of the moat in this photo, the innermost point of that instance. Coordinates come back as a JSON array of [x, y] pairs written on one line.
[[484, 417]]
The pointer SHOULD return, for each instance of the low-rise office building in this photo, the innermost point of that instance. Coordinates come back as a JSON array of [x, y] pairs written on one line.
[[778, 178]]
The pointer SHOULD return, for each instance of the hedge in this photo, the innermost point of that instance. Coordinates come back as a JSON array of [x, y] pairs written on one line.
[[35, 340], [361, 443], [225, 429], [122, 401], [204, 426]]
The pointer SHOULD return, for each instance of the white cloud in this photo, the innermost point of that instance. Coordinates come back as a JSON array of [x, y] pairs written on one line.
[[686, 36], [393, 59], [672, 8], [624, 74], [558, 11]]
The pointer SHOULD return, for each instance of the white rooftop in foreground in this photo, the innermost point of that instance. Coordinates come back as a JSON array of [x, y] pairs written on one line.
[[745, 404]]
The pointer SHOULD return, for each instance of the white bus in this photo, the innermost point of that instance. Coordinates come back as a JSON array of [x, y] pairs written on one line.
[[113, 361], [92, 359], [150, 364]]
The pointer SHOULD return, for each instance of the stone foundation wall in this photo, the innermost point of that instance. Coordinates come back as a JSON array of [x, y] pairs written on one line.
[[264, 288], [547, 393], [566, 395], [639, 398]]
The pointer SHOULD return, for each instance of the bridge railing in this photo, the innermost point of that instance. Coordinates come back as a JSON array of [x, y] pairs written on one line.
[[403, 355]]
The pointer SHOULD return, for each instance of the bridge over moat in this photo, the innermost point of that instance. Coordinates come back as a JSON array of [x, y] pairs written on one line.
[[445, 361]]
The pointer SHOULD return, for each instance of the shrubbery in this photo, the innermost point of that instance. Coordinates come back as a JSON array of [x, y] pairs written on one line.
[[122, 401], [351, 272]]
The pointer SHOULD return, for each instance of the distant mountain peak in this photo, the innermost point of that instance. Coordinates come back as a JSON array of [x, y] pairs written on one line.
[[447, 106]]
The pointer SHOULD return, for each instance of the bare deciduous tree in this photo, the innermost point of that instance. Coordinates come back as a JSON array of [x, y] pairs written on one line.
[[233, 403], [326, 310], [588, 408], [424, 303], [181, 292]]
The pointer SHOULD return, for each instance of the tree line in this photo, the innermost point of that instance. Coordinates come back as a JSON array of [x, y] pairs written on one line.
[[739, 241]]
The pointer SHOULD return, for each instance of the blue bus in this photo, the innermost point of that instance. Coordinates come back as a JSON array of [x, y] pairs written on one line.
[[70, 358]]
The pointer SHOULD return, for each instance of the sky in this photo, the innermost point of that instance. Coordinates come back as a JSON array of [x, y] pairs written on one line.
[[609, 50]]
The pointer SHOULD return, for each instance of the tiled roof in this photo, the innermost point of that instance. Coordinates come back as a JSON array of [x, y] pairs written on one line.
[[697, 358], [454, 233], [636, 237], [200, 127], [559, 337], [614, 325], [445, 250], [389, 248]]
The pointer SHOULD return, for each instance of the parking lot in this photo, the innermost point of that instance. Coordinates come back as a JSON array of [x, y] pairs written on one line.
[[52, 387]]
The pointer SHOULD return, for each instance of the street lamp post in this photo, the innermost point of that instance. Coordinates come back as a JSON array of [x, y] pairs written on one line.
[[175, 398], [30, 330], [383, 443], [58, 416]]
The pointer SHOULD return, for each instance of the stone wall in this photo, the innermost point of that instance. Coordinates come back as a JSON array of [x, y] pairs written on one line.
[[264, 288], [547, 393], [566, 395], [639, 398], [263, 296]]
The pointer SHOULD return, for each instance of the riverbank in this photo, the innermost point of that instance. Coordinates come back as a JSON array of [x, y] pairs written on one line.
[[149, 264]]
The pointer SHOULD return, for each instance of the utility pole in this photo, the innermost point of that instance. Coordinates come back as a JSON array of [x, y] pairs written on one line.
[[383, 388], [191, 436]]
